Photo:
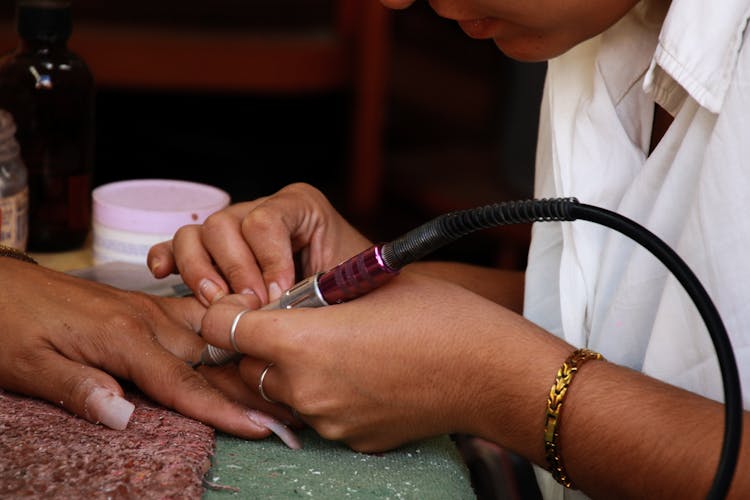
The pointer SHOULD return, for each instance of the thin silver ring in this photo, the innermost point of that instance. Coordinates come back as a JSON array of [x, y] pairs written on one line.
[[233, 330], [260, 383]]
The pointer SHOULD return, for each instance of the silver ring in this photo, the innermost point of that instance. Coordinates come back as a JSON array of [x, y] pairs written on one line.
[[233, 330], [260, 383]]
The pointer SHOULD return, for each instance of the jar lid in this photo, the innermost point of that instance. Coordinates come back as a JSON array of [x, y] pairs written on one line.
[[155, 206]]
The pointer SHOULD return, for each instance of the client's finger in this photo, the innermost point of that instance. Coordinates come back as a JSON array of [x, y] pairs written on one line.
[[80, 389], [227, 379], [173, 383]]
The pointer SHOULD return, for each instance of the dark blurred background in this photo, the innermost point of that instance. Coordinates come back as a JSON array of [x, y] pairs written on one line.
[[396, 116]]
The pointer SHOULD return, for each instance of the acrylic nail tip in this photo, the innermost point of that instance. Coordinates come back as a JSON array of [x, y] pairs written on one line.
[[287, 436], [108, 408]]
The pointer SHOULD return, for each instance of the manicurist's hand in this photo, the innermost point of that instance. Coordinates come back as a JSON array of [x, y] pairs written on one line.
[[250, 247], [65, 340], [421, 357], [417, 357]]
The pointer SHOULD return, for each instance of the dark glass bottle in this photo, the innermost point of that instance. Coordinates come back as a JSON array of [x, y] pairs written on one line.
[[50, 93]]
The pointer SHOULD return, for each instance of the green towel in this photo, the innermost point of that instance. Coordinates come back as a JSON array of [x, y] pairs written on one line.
[[267, 469]]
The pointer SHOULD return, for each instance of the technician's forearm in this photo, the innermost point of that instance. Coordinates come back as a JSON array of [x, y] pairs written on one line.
[[622, 434], [665, 440], [501, 286]]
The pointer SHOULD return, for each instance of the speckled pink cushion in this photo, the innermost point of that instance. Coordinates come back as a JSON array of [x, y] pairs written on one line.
[[47, 452]]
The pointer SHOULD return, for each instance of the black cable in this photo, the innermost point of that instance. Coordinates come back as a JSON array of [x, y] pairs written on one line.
[[449, 227], [714, 324]]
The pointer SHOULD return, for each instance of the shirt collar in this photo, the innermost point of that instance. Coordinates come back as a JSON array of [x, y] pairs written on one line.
[[627, 48], [698, 48]]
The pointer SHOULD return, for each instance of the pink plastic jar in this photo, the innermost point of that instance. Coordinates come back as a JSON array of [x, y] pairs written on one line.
[[131, 216]]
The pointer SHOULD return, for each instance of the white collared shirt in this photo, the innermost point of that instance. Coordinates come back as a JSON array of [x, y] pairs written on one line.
[[593, 286]]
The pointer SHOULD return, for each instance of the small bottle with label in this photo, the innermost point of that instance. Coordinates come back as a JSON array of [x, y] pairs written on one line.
[[14, 191]]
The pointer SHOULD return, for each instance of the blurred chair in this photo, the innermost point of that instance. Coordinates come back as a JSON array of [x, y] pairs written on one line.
[[268, 46]]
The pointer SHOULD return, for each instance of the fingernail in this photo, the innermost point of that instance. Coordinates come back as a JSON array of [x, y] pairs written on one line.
[[209, 291], [155, 264], [274, 291], [103, 405], [247, 291], [281, 430]]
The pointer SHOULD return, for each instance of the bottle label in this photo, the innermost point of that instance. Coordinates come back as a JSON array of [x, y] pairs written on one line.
[[14, 219]]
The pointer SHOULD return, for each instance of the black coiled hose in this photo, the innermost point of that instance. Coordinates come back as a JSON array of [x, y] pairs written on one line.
[[449, 227]]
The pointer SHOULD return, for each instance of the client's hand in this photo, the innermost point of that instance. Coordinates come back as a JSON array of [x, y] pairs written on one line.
[[64, 339], [250, 247]]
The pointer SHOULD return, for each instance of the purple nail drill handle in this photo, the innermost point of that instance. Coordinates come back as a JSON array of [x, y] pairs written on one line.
[[351, 279], [355, 277]]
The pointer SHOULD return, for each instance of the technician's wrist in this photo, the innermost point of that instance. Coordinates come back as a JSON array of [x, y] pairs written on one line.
[[518, 387]]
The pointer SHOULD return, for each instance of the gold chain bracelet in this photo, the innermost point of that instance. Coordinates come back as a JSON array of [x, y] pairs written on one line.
[[6, 251], [554, 404]]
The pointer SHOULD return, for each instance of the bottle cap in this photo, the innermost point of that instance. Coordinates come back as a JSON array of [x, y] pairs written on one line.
[[44, 20]]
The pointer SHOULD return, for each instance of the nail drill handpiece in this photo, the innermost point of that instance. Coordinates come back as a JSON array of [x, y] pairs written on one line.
[[351, 279]]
